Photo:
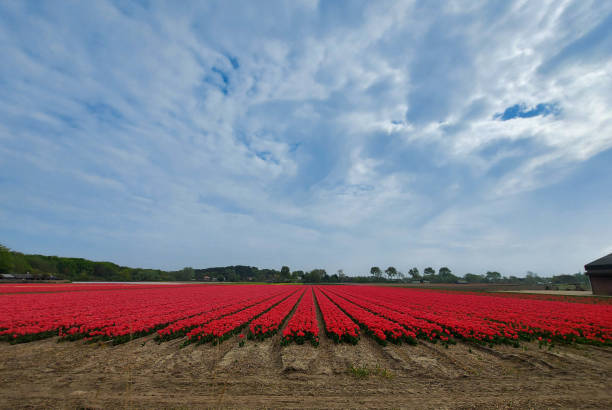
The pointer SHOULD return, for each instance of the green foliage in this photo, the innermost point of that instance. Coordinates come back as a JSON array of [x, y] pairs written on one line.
[[297, 275], [285, 273], [6, 260], [363, 372], [575, 279], [316, 276], [414, 273], [186, 274], [79, 269], [444, 276], [391, 272], [493, 276], [471, 278]]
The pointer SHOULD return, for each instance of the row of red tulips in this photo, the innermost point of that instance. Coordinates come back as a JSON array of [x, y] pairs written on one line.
[[303, 325], [418, 327], [33, 316], [268, 324], [490, 319], [377, 326], [217, 309], [338, 326], [119, 315], [220, 329], [215, 312]]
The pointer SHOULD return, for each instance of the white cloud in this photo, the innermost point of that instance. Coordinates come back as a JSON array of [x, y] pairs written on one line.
[[298, 134]]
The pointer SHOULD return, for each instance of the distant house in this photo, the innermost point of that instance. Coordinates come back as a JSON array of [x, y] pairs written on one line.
[[7, 276], [600, 275]]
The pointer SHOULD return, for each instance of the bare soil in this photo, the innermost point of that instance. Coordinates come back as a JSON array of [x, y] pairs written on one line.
[[144, 374]]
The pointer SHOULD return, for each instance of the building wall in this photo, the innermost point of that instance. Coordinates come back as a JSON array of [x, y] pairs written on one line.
[[601, 285]]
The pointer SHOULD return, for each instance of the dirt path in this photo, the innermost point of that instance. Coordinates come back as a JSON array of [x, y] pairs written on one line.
[[143, 374]]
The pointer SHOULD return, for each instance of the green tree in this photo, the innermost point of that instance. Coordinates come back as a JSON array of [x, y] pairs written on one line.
[[531, 278], [376, 272], [472, 278], [429, 273], [297, 275], [493, 276], [414, 273], [446, 276], [391, 272], [6, 260], [317, 275], [285, 274], [565, 279], [185, 274], [341, 275], [20, 263]]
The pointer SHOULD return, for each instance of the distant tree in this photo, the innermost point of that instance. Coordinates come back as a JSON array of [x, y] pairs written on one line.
[[581, 278], [414, 273], [317, 275], [428, 273], [391, 272], [493, 276], [230, 274], [401, 276], [472, 278], [285, 273], [6, 262], [341, 275], [532, 278], [185, 274], [102, 270], [376, 272], [565, 279], [297, 275], [446, 276]]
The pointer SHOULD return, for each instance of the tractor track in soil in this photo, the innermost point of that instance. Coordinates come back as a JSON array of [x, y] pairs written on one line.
[[142, 373]]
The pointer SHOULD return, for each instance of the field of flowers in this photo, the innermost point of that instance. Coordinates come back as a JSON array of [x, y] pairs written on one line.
[[212, 313]]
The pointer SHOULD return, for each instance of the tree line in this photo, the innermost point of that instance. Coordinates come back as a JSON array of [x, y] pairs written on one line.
[[445, 275], [44, 267], [79, 269]]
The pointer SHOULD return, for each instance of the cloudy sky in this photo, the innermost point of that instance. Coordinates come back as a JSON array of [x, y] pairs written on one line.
[[476, 135]]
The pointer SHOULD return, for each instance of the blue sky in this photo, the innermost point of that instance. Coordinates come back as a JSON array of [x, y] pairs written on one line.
[[474, 135]]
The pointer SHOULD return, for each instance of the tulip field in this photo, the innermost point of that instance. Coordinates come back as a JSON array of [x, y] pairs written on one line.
[[198, 314]]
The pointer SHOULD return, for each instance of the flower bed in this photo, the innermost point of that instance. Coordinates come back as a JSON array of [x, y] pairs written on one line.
[[303, 325]]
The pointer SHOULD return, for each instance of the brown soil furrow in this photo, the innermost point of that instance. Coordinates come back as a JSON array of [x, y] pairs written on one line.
[[46, 374]]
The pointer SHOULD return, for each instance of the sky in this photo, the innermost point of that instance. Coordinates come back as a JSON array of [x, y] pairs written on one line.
[[314, 134]]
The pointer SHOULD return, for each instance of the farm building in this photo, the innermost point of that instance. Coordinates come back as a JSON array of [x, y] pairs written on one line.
[[600, 275]]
